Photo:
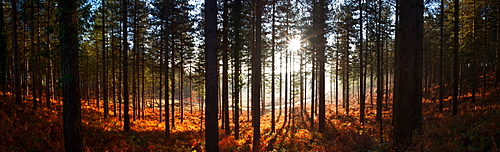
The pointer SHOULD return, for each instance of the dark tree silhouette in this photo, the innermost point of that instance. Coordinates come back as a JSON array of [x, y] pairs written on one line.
[[15, 52], [320, 42], [126, 116], [256, 77], [211, 75], [236, 55], [408, 72], [72, 114], [3, 55], [455, 58]]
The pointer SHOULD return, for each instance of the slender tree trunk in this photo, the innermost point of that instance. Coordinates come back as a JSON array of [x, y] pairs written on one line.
[[380, 75], [337, 82], [113, 62], [497, 53], [32, 66], [48, 71], [474, 58], [361, 66], [313, 79], [72, 114], [126, 117], [15, 52], [134, 63], [3, 55], [346, 80], [211, 75], [166, 46], [273, 115], [172, 71], [225, 68], [104, 64], [455, 58], [160, 91], [256, 77], [237, 68], [181, 89], [321, 18]]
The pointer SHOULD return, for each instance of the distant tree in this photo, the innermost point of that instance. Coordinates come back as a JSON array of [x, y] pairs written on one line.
[[380, 75], [104, 59], [361, 67], [15, 52], [236, 56], [408, 72], [441, 56], [455, 57], [166, 11], [211, 75], [273, 49], [225, 68], [3, 54], [72, 116]]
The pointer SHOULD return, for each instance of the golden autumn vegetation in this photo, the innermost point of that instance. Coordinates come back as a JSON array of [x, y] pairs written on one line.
[[474, 129]]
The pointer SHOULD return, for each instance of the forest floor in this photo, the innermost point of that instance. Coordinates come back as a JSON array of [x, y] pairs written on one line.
[[475, 128]]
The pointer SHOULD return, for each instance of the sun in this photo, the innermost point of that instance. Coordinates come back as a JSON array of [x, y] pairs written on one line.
[[295, 44]]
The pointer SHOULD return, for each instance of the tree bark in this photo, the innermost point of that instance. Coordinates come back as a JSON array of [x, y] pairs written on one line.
[[15, 52], [211, 75], [126, 117], [3, 55], [237, 68], [319, 23], [256, 77], [456, 62], [408, 73], [68, 28], [225, 68], [104, 64]]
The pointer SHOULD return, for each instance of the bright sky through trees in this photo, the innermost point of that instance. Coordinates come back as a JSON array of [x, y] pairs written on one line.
[[295, 44]]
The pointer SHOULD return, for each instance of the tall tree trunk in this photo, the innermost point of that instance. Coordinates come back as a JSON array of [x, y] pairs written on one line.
[[236, 78], [48, 70], [32, 66], [361, 66], [3, 55], [172, 71], [474, 60], [455, 57], [337, 82], [380, 75], [15, 52], [211, 75], [408, 72], [72, 114], [321, 46], [166, 46], [225, 68], [346, 80], [256, 77], [113, 62], [126, 117], [135, 70], [181, 88], [104, 64], [160, 91], [273, 115], [497, 53]]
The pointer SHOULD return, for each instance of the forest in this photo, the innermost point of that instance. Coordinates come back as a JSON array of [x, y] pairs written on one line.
[[250, 75]]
